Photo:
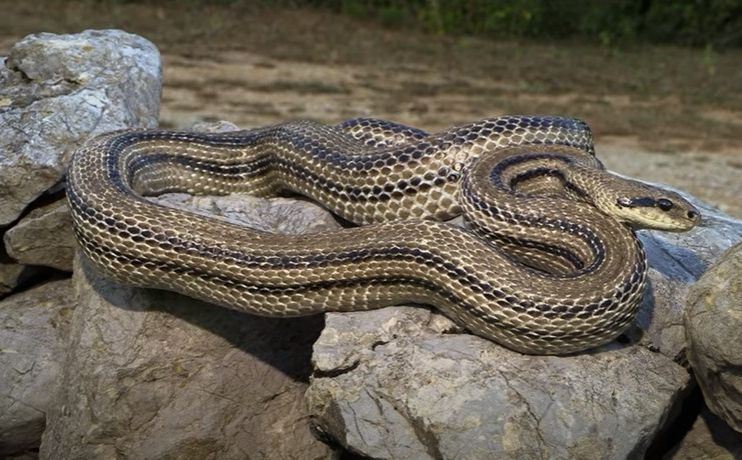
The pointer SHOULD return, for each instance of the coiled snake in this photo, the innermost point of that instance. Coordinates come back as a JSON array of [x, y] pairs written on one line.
[[566, 275]]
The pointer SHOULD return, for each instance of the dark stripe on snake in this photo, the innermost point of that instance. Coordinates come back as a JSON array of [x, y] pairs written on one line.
[[320, 260], [558, 311], [258, 166]]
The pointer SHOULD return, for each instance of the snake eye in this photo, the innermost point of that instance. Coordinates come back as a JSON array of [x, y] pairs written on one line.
[[664, 204]]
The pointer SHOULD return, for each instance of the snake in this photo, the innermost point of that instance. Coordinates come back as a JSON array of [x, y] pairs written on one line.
[[547, 261]]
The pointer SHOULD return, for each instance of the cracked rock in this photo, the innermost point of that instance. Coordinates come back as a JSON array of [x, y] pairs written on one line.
[[58, 91], [274, 215], [152, 374], [414, 394], [11, 275], [33, 328], [389, 385], [43, 237], [713, 323], [676, 261], [708, 438]]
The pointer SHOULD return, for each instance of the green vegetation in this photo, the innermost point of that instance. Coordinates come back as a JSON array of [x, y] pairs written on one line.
[[715, 23], [699, 23]]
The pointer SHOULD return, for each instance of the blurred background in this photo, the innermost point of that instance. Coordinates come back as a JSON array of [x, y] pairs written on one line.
[[659, 81]]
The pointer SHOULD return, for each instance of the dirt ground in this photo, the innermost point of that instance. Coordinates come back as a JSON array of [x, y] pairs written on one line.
[[662, 114]]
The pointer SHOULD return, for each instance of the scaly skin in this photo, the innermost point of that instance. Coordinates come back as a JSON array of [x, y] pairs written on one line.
[[577, 276]]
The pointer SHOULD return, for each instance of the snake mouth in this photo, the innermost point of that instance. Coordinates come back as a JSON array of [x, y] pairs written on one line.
[[676, 225], [686, 219]]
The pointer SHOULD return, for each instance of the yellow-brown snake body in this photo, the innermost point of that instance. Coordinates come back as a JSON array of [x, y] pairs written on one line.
[[567, 277]]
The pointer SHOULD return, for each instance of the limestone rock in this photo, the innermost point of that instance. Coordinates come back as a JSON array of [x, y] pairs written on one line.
[[387, 387], [709, 438], [676, 261], [33, 327], [387, 384], [151, 374], [221, 126], [43, 237], [713, 322], [11, 275], [58, 91], [274, 215]]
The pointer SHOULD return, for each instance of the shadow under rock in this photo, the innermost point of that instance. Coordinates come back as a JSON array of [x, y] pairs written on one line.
[[283, 343]]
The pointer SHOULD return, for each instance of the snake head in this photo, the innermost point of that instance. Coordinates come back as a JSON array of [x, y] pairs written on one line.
[[655, 208]]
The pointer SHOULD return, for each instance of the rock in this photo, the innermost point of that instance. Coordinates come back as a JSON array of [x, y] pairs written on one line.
[[43, 237], [275, 215], [387, 384], [58, 91], [713, 324], [11, 275], [709, 438], [151, 374], [220, 126], [33, 327], [676, 261]]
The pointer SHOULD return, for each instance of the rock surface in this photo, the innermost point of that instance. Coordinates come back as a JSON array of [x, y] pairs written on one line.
[[43, 237], [59, 90], [33, 328], [676, 261], [274, 215], [11, 275], [713, 322], [387, 385], [151, 374], [709, 439]]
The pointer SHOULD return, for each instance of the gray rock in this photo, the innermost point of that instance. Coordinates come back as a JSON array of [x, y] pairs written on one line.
[[713, 322], [11, 275], [43, 237], [151, 374], [388, 387], [676, 261], [58, 91], [221, 126], [33, 327], [709, 438], [393, 384], [275, 215]]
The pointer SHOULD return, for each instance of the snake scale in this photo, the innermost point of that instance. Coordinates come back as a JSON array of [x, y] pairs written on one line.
[[548, 263]]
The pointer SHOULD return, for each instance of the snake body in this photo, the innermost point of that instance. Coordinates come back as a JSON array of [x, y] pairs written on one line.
[[541, 269]]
